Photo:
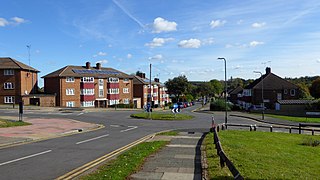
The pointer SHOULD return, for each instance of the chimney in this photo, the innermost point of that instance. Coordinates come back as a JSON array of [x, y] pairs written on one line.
[[98, 66], [143, 75], [268, 70], [88, 65], [156, 80]]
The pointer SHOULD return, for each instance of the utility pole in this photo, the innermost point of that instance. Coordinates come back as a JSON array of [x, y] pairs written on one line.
[[150, 97], [32, 86]]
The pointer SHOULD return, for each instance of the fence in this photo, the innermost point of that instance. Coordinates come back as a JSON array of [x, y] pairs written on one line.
[[223, 157]]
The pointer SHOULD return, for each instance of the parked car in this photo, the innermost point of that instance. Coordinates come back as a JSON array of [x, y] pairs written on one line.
[[181, 104], [257, 107]]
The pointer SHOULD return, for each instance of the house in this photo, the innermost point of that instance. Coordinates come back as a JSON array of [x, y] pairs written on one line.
[[274, 88], [17, 80], [141, 90], [86, 86], [235, 94]]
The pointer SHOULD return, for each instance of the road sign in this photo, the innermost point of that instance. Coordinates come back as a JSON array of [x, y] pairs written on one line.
[[175, 110]]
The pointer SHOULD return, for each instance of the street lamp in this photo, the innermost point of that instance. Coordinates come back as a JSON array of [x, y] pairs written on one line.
[[261, 92], [225, 88]]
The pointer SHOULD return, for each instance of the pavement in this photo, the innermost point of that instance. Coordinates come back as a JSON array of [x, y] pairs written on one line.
[[179, 160], [41, 129]]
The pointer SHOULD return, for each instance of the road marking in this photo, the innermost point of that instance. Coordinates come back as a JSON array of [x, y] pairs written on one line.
[[80, 114], [78, 171], [26, 157], [115, 125], [92, 139], [131, 128]]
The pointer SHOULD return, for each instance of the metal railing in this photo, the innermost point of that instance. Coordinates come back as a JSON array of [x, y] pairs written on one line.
[[224, 160]]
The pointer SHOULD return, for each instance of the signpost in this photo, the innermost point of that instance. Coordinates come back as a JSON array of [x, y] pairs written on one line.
[[20, 110], [175, 109]]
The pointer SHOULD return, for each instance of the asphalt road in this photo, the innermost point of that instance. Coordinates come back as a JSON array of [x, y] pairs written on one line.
[[52, 158]]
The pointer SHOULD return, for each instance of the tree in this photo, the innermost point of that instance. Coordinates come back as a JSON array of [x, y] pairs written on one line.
[[315, 88], [304, 91], [216, 86], [177, 86]]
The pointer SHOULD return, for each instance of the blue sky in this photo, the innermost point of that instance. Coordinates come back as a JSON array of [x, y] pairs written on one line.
[[177, 37]]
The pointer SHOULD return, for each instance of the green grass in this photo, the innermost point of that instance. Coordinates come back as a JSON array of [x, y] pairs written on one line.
[[8, 123], [265, 155], [162, 116], [295, 119], [168, 133], [127, 163]]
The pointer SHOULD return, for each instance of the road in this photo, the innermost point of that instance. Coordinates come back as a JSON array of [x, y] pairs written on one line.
[[52, 158]]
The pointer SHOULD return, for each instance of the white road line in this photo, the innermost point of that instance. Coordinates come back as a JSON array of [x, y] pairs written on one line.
[[26, 157], [131, 128], [115, 125], [80, 114], [92, 139]]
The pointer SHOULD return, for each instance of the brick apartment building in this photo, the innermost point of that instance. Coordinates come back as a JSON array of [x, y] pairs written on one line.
[[86, 86], [141, 89], [16, 80]]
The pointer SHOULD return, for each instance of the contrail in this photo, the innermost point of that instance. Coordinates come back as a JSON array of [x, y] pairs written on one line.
[[128, 13]]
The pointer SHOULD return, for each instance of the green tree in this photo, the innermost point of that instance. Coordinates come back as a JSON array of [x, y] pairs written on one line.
[[178, 86], [216, 86], [315, 88], [304, 91]]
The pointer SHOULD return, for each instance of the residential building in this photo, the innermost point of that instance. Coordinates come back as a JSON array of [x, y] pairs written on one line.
[[16, 80], [235, 94], [142, 89], [86, 86], [274, 88]]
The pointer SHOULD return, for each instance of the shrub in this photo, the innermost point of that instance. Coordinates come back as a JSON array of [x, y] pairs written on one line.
[[219, 105], [310, 142]]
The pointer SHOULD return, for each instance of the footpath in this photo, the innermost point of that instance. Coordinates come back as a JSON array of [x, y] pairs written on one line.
[[179, 160]]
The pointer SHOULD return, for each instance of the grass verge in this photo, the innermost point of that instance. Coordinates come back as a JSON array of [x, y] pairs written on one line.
[[162, 116], [127, 163], [264, 155], [295, 119], [7, 123], [168, 133]]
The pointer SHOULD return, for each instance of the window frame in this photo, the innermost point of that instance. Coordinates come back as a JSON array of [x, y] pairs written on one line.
[[11, 98], [70, 79], [8, 72], [70, 92], [8, 85]]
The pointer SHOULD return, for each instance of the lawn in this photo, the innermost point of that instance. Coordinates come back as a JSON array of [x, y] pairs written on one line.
[[127, 163], [265, 155], [295, 119], [7, 123], [161, 116]]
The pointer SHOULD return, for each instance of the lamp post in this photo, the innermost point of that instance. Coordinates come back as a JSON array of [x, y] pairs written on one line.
[[225, 88], [261, 93]]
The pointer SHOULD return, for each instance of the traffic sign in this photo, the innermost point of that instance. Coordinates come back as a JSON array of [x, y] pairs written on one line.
[[175, 110]]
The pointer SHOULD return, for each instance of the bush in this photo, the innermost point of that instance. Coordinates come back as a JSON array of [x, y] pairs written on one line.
[[310, 142], [219, 105], [131, 105]]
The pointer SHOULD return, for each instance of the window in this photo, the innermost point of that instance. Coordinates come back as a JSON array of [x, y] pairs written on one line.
[[113, 91], [87, 104], [113, 80], [126, 80], [247, 92], [125, 90], [126, 101], [69, 92], [70, 103], [100, 82], [292, 92], [8, 85], [87, 79], [87, 92], [8, 72], [70, 79], [8, 99], [113, 102], [100, 92]]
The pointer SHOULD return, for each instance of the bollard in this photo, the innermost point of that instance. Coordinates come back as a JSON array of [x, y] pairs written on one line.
[[312, 132], [270, 128], [255, 127], [250, 127], [222, 127], [218, 129], [290, 130]]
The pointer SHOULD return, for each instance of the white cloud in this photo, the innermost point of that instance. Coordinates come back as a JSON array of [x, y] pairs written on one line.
[[104, 61], [162, 25], [191, 43], [156, 57], [3, 22], [255, 43], [258, 25], [217, 23], [208, 41], [129, 56], [240, 22], [18, 20], [157, 42], [100, 54], [318, 61]]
